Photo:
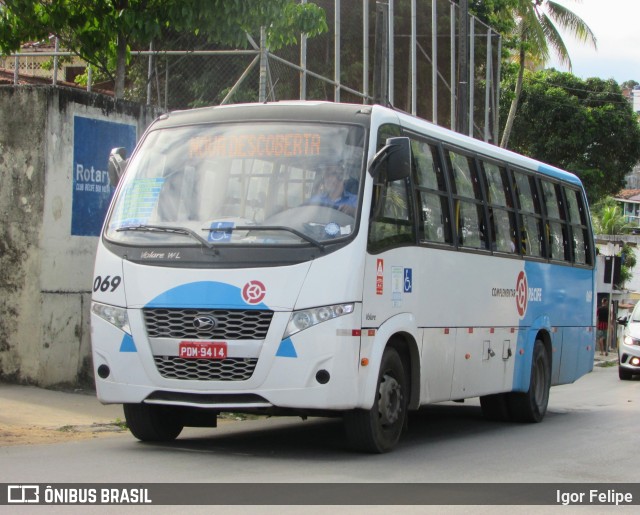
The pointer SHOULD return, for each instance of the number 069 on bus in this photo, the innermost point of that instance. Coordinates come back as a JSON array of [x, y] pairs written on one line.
[[202, 350]]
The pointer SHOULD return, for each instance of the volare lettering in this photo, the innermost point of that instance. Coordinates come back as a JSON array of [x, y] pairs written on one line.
[[147, 254]]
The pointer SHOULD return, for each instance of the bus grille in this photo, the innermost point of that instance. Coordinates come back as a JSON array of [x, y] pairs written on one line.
[[230, 369], [243, 324]]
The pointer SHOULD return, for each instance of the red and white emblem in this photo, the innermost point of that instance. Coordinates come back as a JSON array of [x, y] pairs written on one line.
[[522, 291], [253, 292]]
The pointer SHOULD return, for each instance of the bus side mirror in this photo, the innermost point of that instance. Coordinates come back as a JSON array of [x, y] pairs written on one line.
[[623, 321], [397, 156], [117, 164]]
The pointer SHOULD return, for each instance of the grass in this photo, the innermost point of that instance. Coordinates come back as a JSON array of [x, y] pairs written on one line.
[[122, 424]]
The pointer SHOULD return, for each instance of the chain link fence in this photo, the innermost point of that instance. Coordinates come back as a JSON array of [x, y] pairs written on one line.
[[424, 72]]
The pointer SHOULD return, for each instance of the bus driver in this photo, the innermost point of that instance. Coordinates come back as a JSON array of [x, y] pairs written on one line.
[[333, 193]]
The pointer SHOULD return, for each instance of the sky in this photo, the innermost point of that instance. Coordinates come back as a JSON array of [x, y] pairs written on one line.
[[616, 25]]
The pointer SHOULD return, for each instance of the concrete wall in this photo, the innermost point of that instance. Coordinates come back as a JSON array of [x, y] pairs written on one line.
[[46, 272]]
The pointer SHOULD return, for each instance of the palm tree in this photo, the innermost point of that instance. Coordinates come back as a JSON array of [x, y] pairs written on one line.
[[536, 31], [611, 221]]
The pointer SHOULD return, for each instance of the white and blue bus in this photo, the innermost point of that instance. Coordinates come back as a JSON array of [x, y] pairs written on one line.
[[311, 258]]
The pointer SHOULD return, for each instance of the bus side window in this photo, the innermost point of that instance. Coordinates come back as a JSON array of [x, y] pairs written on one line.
[[531, 236], [502, 220], [468, 214], [529, 215], [391, 220], [503, 225], [557, 241], [552, 200], [579, 230], [557, 233], [468, 217], [464, 174], [433, 200]]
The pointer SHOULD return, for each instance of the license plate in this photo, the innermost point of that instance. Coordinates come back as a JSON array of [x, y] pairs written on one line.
[[202, 350]]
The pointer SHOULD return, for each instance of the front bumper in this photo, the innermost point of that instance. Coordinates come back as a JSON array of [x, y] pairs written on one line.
[[320, 372], [629, 357]]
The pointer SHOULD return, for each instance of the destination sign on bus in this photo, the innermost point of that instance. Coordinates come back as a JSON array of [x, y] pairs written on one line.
[[289, 144]]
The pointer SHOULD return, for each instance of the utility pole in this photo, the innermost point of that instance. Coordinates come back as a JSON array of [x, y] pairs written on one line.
[[381, 55], [463, 67]]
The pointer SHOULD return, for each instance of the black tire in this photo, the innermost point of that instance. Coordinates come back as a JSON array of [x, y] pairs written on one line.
[[151, 423], [495, 407], [624, 374], [531, 406], [378, 429]]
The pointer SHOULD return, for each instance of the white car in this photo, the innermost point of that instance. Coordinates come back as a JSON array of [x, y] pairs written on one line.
[[629, 348]]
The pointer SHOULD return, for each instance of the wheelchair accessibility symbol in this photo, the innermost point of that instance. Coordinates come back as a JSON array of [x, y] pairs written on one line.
[[220, 232], [408, 280]]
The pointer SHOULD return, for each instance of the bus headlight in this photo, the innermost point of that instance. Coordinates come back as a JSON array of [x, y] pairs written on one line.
[[305, 318], [631, 341], [112, 314]]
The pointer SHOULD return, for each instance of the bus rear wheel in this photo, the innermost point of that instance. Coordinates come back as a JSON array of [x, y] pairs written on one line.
[[378, 429], [531, 406], [151, 423]]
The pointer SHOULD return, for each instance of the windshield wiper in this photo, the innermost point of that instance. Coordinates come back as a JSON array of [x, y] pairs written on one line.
[[168, 229], [299, 234]]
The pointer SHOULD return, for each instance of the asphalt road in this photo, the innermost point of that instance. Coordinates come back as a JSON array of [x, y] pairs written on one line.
[[588, 435]]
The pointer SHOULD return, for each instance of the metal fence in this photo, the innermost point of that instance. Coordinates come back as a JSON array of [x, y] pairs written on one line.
[[424, 71]]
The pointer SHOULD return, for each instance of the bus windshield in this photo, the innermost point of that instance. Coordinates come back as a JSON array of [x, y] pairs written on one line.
[[244, 183]]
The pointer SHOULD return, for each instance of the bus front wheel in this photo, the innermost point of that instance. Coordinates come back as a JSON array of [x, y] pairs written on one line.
[[150, 423], [531, 406], [379, 428]]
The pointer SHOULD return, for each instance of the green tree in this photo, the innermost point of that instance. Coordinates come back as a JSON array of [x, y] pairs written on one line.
[[607, 218], [536, 32], [102, 32], [628, 263], [585, 126], [629, 84], [611, 221], [498, 14]]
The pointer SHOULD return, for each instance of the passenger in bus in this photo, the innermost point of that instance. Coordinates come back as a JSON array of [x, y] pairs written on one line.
[[333, 192]]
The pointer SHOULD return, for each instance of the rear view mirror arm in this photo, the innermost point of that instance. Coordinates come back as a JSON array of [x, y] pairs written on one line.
[[117, 165]]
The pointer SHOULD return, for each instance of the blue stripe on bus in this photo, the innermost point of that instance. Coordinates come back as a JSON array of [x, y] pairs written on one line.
[[557, 173], [127, 344], [560, 302], [203, 294], [286, 349]]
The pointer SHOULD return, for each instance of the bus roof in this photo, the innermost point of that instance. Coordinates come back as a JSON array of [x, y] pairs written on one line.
[[284, 111]]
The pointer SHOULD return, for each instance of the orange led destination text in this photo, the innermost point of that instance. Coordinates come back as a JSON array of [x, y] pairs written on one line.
[[256, 145]]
